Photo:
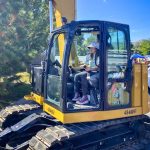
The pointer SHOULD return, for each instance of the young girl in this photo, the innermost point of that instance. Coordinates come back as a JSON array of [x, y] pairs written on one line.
[[81, 79]]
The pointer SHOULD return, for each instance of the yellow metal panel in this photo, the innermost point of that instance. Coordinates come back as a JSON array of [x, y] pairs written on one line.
[[144, 89], [149, 102], [58, 19], [63, 8], [67, 8], [101, 115], [61, 43], [53, 112], [35, 97], [91, 116], [136, 85], [61, 38]]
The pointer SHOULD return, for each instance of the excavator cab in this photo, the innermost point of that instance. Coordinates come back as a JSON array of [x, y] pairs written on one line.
[[110, 95]]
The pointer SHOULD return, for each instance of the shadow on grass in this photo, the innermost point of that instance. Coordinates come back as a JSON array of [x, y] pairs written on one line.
[[12, 92]]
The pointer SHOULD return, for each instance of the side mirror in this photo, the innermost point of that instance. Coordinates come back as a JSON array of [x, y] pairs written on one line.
[[43, 65]]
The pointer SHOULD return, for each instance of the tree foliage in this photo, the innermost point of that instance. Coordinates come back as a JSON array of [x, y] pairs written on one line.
[[24, 28], [83, 43], [143, 46]]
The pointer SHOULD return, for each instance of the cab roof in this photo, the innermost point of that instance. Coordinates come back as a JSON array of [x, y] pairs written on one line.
[[84, 22]]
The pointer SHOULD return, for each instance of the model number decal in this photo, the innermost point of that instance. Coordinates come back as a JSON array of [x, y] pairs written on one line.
[[130, 111], [51, 111]]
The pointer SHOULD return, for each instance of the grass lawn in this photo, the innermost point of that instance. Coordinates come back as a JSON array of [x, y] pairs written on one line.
[[24, 77], [14, 90]]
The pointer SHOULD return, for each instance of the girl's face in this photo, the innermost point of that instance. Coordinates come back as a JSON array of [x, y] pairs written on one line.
[[92, 50]]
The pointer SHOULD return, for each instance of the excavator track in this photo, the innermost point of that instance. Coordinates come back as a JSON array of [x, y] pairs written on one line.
[[70, 136], [136, 144], [10, 111]]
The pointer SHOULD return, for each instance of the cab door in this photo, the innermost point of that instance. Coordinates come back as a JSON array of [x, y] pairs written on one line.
[[117, 73]]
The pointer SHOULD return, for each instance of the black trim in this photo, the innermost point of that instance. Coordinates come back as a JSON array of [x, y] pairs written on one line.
[[66, 61], [47, 70]]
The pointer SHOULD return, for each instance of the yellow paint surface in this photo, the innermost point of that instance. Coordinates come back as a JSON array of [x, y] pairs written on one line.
[[91, 116]]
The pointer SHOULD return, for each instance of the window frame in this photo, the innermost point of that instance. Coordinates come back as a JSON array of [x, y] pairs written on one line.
[[66, 62], [48, 64]]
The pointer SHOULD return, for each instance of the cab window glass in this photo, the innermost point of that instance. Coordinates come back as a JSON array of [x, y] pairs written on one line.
[[78, 79], [80, 43], [55, 72], [118, 94]]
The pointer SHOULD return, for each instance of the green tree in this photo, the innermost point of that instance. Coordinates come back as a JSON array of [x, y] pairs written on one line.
[[24, 28], [83, 43], [143, 46]]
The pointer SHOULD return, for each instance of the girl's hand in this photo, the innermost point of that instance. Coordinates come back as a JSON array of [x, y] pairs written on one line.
[[87, 69]]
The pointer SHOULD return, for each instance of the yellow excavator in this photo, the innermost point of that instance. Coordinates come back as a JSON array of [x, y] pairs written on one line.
[[114, 117]]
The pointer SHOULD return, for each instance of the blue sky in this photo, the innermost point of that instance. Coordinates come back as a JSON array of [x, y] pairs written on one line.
[[136, 13]]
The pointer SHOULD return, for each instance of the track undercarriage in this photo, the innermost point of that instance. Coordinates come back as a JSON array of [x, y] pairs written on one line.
[[33, 130]]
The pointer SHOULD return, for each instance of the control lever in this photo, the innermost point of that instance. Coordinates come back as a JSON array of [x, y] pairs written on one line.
[[57, 63], [70, 70]]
